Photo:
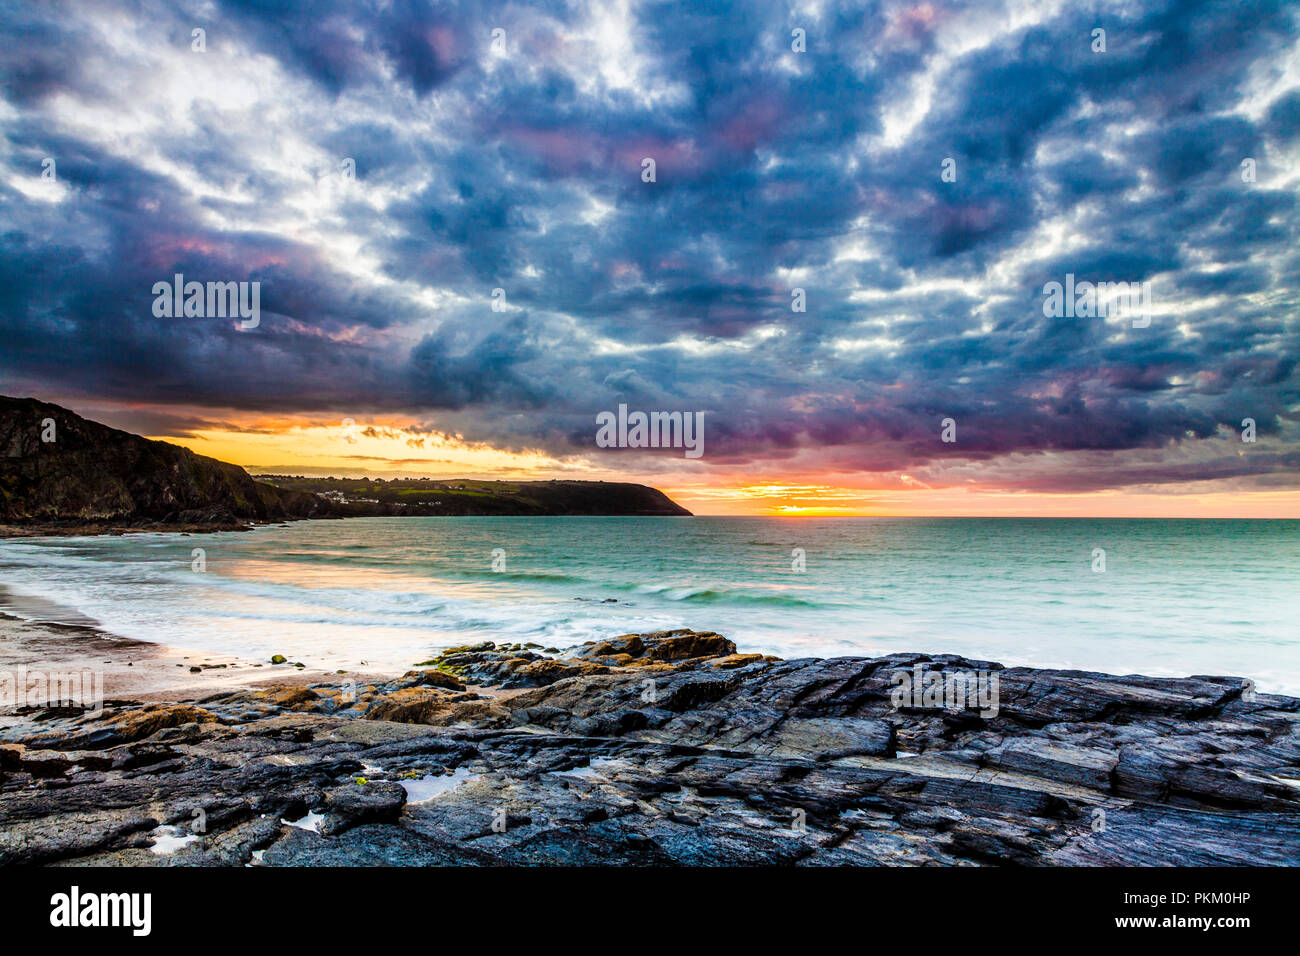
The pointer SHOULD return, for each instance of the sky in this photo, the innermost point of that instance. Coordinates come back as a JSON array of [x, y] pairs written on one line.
[[840, 257]]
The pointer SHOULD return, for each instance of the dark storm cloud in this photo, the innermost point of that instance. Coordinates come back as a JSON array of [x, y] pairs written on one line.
[[520, 170], [422, 44]]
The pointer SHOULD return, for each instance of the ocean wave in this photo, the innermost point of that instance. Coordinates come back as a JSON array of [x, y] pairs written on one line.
[[557, 577], [672, 592], [422, 567]]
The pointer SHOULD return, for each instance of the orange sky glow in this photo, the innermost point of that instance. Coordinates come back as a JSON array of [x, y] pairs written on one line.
[[390, 449]]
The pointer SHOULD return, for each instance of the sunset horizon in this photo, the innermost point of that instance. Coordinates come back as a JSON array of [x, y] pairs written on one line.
[[654, 437], [379, 447]]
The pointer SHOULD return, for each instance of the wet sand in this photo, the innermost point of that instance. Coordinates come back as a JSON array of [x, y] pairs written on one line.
[[136, 670]]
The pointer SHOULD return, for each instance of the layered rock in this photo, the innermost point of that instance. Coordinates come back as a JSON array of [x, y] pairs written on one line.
[[670, 748]]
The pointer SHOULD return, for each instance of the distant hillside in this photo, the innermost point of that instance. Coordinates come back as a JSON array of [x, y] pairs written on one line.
[[458, 496], [92, 476]]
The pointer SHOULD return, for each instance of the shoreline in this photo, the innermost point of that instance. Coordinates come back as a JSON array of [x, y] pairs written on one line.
[[143, 670], [45, 530], [90, 530]]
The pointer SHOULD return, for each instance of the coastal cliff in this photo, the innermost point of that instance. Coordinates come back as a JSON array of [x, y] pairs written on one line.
[[57, 468], [61, 473], [666, 749]]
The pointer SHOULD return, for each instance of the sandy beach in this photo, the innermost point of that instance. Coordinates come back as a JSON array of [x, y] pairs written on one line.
[[142, 671]]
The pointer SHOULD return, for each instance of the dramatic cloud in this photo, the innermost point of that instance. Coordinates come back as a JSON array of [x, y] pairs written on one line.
[[920, 171]]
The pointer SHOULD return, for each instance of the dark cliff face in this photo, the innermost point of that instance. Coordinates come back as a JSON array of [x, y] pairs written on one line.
[[91, 473]]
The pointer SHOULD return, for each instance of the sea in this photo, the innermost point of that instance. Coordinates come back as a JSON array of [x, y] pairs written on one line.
[[1162, 597]]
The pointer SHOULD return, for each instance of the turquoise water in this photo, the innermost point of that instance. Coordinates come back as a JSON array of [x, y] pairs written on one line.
[[1177, 597]]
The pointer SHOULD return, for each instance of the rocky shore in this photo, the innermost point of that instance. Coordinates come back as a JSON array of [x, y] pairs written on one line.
[[665, 749]]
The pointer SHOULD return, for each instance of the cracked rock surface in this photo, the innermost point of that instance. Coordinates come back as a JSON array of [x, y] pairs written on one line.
[[665, 749]]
